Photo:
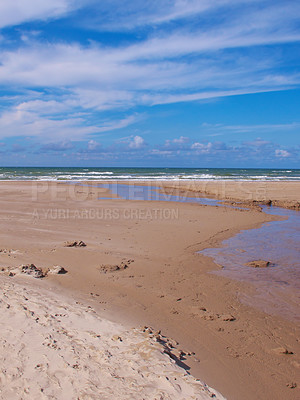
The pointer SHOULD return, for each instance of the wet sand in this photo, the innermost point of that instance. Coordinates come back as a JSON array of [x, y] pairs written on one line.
[[240, 351], [277, 282]]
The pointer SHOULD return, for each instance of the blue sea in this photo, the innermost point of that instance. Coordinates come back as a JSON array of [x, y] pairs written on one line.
[[204, 174]]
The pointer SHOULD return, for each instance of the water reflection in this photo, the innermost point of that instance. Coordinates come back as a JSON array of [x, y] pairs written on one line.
[[277, 287]]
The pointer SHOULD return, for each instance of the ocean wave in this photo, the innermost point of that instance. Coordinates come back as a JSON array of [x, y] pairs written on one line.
[[144, 174]]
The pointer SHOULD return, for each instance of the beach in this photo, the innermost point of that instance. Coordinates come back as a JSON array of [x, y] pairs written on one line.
[[130, 264], [277, 193], [65, 351], [150, 200]]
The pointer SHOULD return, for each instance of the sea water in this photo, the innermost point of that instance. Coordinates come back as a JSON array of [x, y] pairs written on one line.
[[142, 174]]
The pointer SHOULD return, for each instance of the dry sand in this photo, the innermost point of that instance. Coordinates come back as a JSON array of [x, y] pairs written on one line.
[[140, 267], [282, 194], [53, 348]]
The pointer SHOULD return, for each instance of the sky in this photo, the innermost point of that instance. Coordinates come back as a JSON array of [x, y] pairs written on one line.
[[160, 83]]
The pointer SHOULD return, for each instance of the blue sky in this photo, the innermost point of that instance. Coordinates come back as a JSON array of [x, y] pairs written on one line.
[[191, 83]]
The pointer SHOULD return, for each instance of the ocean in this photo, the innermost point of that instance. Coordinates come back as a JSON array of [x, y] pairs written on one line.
[[143, 174]]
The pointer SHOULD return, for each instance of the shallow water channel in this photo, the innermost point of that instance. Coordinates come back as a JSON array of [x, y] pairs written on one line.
[[277, 288]]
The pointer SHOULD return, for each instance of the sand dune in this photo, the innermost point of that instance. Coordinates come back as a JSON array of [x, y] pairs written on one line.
[[53, 348]]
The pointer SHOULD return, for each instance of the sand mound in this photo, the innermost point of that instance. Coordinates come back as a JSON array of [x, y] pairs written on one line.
[[32, 270], [258, 264], [57, 270], [53, 348]]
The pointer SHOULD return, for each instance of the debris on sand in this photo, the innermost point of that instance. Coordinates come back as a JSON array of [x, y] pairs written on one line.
[[169, 346], [57, 270], [32, 270], [113, 267], [258, 264], [283, 350], [76, 243]]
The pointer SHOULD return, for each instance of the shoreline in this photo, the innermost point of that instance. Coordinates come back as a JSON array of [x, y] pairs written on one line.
[[279, 193], [230, 192], [167, 286]]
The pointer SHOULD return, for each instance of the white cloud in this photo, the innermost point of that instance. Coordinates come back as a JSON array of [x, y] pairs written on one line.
[[103, 79], [100, 100], [19, 11], [155, 70], [93, 145], [262, 127], [220, 129], [184, 98], [123, 123], [258, 142], [131, 14], [24, 123], [157, 152], [179, 44], [202, 148], [181, 140], [20, 122], [137, 142], [60, 146], [177, 143], [282, 153], [50, 107]]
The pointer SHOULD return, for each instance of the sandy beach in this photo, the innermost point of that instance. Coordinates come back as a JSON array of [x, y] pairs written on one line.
[[282, 194], [140, 266], [54, 347]]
